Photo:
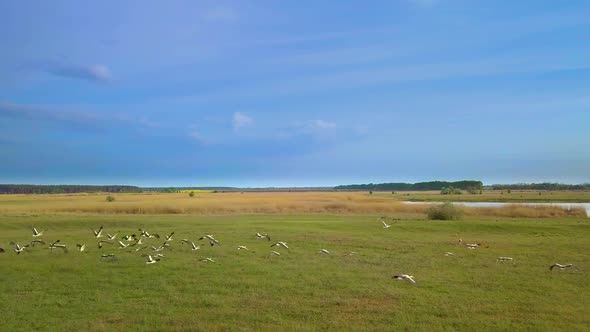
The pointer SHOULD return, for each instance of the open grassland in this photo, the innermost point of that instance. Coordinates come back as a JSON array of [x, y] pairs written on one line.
[[251, 203], [300, 290], [514, 196]]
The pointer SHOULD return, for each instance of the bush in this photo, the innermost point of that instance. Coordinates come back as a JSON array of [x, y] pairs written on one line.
[[192, 194], [110, 198], [445, 211], [450, 191]]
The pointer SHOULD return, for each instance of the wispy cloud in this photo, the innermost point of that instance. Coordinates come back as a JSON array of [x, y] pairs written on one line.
[[321, 124], [241, 120], [94, 73]]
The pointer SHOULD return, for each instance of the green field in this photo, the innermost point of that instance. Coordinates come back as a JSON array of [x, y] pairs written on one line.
[[300, 290]]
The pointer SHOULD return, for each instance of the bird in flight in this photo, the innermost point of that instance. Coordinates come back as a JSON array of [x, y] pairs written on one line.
[[323, 251], [275, 253], [169, 237], [104, 241], [244, 248], [110, 256], [148, 235], [210, 238], [98, 233], [504, 259], [81, 247], [263, 236], [151, 260], [208, 260], [561, 266], [57, 245], [34, 242], [448, 253], [17, 248], [385, 225], [281, 244], [405, 277], [112, 237], [36, 233]]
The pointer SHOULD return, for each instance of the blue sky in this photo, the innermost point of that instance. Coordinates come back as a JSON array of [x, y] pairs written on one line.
[[294, 93]]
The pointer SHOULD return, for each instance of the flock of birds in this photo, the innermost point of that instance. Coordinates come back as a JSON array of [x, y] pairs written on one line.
[[135, 243]]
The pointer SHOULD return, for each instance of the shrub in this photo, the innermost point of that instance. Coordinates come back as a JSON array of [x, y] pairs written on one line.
[[445, 211], [110, 198], [450, 191], [191, 194]]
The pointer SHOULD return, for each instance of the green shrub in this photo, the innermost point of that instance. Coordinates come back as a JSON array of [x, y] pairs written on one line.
[[445, 211], [110, 198], [192, 194], [450, 191]]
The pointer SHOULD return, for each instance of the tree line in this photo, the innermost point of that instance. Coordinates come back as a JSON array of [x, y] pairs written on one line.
[[64, 189], [541, 186], [418, 186]]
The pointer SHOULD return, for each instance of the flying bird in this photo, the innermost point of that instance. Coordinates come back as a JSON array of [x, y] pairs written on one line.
[[244, 248], [151, 260], [504, 259], [122, 245], [104, 241], [210, 238], [98, 233], [405, 277], [385, 225], [561, 266], [323, 251], [169, 237], [448, 253], [36, 233], [263, 236], [34, 242], [57, 245], [208, 259], [112, 237], [17, 248], [275, 253], [281, 244], [110, 256], [81, 247]]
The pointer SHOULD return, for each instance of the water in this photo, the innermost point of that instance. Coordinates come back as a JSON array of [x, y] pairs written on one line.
[[566, 206]]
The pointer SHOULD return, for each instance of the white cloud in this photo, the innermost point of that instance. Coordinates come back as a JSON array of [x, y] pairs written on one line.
[[95, 73], [241, 120]]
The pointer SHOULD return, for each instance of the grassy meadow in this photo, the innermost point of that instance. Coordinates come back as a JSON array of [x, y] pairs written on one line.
[[260, 203], [300, 290]]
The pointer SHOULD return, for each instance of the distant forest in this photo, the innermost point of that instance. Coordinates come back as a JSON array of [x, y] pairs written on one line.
[[400, 186], [64, 189], [541, 186]]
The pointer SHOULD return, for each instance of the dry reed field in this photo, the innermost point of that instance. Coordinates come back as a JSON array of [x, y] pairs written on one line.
[[251, 203]]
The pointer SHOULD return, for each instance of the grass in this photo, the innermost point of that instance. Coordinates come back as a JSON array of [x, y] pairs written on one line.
[[252, 203], [300, 290]]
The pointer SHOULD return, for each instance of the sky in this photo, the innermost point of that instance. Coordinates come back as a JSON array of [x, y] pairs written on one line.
[[294, 93]]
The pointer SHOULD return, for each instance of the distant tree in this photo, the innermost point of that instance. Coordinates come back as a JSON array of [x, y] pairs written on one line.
[[191, 194], [371, 192], [110, 198]]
